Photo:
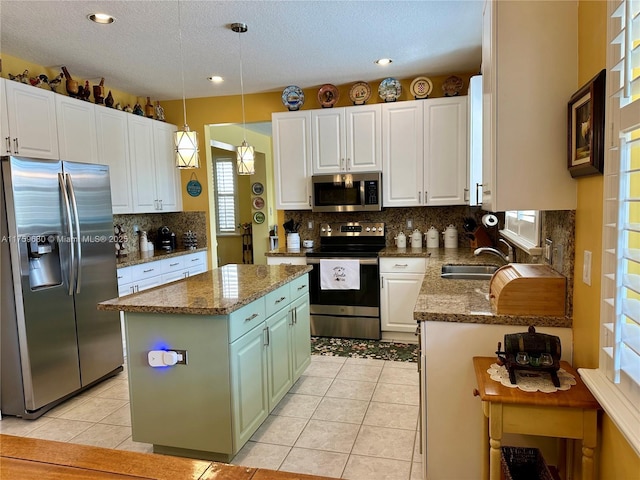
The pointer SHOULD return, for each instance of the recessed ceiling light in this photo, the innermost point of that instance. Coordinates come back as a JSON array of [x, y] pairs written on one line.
[[101, 18], [215, 79], [383, 61]]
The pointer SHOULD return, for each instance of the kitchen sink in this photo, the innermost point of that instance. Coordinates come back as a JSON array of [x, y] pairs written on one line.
[[468, 272]]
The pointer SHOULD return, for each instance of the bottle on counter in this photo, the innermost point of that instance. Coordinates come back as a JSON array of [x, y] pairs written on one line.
[[144, 243]]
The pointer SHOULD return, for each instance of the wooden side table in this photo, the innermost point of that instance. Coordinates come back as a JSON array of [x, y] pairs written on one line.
[[569, 414]]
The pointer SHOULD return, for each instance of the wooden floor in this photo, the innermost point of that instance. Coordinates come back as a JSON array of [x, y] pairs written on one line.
[[27, 458]]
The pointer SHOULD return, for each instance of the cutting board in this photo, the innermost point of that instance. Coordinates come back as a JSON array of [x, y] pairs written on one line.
[[528, 289]]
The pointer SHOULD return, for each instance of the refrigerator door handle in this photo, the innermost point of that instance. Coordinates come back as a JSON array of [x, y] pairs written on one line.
[[76, 219], [67, 208]]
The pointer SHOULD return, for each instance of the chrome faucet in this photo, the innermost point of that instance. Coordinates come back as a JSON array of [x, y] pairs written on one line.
[[508, 258]]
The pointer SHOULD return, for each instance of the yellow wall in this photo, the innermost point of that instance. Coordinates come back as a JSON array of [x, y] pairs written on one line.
[[617, 459]]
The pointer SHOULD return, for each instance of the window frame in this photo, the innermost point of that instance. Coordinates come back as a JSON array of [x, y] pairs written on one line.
[[515, 234], [617, 392]]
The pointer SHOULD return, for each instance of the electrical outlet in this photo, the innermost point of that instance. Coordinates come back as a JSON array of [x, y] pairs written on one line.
[[548, 251], [310, 224], [409, 223], [586, 268]]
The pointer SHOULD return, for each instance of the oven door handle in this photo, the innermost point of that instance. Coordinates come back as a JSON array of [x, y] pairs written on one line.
[[363, 261]]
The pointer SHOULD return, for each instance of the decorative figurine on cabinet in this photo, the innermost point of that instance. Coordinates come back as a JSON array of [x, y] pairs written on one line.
[[54, 82], [137, 110], [128, 108], [21, 77], [159, 112], [109, 100], [98, 92], [71, 84], [148, 108], [85, 92]]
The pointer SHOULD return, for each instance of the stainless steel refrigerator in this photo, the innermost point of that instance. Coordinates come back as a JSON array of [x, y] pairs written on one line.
[[57, 263]]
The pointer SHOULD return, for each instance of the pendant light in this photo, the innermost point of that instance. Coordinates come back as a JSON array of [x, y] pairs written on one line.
[[245, 152], [186, 141]]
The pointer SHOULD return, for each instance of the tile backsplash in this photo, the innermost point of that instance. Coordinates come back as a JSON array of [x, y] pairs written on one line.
[[395, 220], [559, 226], [178, 222]]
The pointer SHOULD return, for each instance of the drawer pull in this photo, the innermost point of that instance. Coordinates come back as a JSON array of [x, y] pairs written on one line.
[[302, 286], [149, 270], [195, 259], [280, 299], [248, 319], [174, 264], [403, 265], [120, 276]]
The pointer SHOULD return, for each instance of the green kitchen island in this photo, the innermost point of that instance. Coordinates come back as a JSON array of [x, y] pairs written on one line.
[[211, 355]]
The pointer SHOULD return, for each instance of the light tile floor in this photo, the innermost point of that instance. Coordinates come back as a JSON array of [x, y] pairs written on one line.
[[347, 418]]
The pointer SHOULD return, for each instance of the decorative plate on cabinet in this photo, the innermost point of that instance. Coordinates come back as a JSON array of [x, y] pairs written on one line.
[[328, 95], [258, 203], [292, 98], [360, 93], [257, 188], [452, 86], [421, 87], [390, 89], [258, 217]]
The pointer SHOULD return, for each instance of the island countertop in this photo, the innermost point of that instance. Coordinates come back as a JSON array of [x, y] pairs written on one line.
[[466, 301], [217, 292]]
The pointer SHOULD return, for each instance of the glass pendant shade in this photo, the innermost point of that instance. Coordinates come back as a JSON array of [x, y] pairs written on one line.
[[187, 149], [245, 159]]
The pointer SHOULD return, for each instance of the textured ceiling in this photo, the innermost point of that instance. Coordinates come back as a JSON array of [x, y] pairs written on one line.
[[303, 43]]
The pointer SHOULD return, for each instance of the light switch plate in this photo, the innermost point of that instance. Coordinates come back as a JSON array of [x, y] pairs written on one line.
[[586, 268]]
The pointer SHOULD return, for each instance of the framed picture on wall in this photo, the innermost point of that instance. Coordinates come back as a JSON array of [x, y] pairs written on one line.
[[586, 128]]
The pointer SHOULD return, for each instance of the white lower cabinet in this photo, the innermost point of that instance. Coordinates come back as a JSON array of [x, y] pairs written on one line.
[[286, 260], [400, 282], [137, 278]]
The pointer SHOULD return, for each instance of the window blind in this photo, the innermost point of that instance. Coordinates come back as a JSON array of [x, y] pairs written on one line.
[[225, 195], [620, 306]]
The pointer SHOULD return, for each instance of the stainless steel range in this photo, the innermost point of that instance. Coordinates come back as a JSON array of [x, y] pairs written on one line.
[[344, 283]]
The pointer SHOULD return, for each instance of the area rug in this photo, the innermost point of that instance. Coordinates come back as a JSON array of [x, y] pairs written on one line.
[[344, 347]]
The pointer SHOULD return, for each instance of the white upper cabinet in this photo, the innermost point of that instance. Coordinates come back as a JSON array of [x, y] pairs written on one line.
[[534, 63], [32, 122], [475, 140], [4, 121], [402, 154], [154, 178], [168, 181], [113, 150], [77, 136], [346, 139], [445, 151], [291, 133]]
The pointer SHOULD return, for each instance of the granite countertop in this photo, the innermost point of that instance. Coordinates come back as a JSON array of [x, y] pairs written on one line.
[[137, 258], [467, 301], [406, 252], [217, 292], [285, 252]]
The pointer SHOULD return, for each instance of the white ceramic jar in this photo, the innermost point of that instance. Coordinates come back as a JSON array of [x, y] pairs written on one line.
[[450, 237], [433, 237], [401, 240], [416, 239]]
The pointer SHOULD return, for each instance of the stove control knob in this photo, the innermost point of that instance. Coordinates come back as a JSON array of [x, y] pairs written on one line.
[[373, 229], [369, 229]]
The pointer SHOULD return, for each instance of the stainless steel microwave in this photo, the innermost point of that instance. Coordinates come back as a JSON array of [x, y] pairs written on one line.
[[347, 192]]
